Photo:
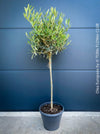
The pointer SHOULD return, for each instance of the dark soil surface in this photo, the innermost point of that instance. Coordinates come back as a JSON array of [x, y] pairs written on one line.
[[47, 109]]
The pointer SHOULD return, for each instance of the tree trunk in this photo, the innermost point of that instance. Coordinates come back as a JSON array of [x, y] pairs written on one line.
[[51, 81]]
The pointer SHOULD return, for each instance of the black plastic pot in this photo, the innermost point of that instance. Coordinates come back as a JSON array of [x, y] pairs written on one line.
[[51, 121]]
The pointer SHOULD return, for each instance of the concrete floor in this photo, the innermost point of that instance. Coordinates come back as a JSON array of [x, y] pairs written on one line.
[[31, 123]]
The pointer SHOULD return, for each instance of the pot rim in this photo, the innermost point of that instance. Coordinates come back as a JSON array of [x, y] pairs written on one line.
[[51, 115]]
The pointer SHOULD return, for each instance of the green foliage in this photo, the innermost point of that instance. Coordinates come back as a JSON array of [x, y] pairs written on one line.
[[48, 34]]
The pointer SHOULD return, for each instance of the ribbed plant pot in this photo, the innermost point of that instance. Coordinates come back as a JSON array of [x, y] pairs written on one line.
[[51, 121]]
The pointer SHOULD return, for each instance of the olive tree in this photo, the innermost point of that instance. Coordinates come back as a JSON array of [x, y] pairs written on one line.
[[48, 35]]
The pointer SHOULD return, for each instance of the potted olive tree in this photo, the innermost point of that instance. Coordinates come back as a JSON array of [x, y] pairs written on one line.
[[48, 37]]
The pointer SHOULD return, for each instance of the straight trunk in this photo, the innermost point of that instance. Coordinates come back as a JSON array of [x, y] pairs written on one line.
[[51, 81]]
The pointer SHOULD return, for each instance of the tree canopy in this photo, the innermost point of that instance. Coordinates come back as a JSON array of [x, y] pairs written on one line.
[[48, 34]]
